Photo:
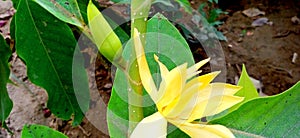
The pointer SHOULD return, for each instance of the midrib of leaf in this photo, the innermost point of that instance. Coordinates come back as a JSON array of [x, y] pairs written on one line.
[[49, 58]]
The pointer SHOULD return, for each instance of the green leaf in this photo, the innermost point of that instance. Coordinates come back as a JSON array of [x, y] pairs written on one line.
[[82, 4], [47, 45], [161, 35], [273, 116], [39, 131], [65, 10], [5, 102], [248, 89]]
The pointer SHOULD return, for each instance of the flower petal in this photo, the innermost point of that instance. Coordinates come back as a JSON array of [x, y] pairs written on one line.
[[153, 126], [203, 79], [163, 69], [206, 131], [188, 99], [144, 70], [191, 70], [212, 106], [171, 86], [224, 88]]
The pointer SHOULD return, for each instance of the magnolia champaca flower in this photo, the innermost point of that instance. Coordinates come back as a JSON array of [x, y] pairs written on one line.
[[182, 98]]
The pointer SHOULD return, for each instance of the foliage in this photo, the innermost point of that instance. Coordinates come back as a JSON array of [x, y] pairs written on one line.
[[39, 131], [49, 59]]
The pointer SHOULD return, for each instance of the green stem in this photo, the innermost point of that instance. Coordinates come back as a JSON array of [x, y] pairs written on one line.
[[139, 14]]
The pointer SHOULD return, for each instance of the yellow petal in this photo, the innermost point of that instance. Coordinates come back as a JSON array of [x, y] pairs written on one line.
[[212, 106], [191, 70], [153, 126], [206, 131], [163, 69], [203, 79], [171, 86], [144, 70], [188, 99], [224, 88]]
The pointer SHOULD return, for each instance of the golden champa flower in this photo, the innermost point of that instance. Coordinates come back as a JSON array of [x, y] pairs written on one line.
[[182, 98]]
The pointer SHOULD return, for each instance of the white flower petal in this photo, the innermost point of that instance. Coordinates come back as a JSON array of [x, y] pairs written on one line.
[[153, 126]]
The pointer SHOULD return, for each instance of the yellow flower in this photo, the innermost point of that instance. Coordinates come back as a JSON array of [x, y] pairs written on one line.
[[183, 97]]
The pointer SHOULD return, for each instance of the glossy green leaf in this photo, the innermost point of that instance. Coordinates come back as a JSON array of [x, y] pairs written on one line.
[[5, 102], [161, 35], [248, 89], [82, 4], [273, 116], [65, 10], [39, 131], [47, 45]]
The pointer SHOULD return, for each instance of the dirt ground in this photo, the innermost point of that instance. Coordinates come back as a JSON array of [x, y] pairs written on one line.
[[267, 51]]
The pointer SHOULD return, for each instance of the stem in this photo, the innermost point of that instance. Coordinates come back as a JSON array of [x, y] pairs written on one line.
[[139, 14]]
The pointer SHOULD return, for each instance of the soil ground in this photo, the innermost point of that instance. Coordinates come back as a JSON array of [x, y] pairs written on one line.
[[268, 59]]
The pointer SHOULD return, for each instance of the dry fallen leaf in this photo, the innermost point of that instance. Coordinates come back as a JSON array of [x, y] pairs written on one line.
[[252, 12]]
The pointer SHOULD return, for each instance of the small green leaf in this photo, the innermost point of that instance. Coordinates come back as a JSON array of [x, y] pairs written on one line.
[[273, 116], [65, 10], [248, 89], [5, 102], [39, 131], [47, 45]]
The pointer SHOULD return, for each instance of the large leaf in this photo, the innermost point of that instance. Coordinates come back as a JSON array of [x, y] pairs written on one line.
[[65, 10], [161, 35], [47, 46], [5, 102], [274, 116], [39, 131]]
